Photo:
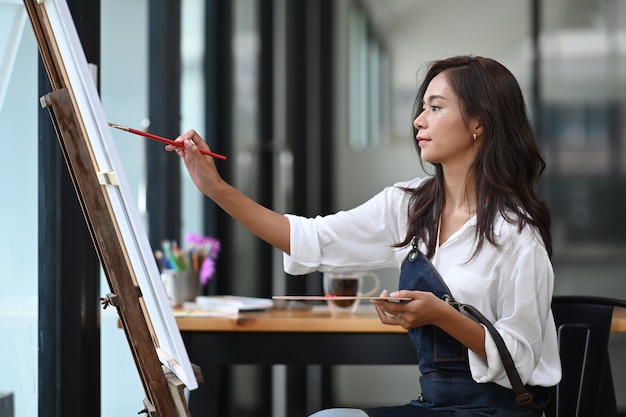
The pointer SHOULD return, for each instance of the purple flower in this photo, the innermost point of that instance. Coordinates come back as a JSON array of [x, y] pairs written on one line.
[[207, 270], [206, 248], [194, 239]]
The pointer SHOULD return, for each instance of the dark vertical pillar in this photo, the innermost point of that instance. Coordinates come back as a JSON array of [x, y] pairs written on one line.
[[297, 101], [69, 271], [296, 137], [327, 106], [266, 132], [52, 186], [309, 105], [218, 129], [548, 182], [535, 34], [327, 156], [265, 186], [163, 191]]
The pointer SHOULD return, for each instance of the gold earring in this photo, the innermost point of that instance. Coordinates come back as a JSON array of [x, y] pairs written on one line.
[[474, 136]]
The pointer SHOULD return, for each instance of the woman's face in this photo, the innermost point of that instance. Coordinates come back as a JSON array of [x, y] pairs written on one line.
[[443, 135]]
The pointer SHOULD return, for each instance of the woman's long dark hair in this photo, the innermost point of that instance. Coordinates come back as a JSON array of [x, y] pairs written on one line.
[[508, 165]]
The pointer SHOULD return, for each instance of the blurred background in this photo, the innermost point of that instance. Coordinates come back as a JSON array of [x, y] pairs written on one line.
[[312, 101]]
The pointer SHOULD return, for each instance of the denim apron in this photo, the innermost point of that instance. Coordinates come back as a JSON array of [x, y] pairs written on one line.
[[446, 382]]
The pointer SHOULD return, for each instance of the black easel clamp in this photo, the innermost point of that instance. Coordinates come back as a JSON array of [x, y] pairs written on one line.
[[110, 299]]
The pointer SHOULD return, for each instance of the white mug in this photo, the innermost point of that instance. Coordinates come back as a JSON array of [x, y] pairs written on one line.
[[180, 286], [351, 284]]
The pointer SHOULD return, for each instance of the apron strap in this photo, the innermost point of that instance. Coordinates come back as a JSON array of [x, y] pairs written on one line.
[[522, 395]]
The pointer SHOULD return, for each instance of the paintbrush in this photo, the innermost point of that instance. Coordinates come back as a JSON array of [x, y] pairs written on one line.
[[162, 139]]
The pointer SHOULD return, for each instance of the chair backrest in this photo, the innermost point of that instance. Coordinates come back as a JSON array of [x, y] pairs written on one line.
[[583, 326]]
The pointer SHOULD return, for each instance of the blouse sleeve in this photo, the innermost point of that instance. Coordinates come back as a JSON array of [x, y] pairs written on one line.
[[523, 318], [355, 240]]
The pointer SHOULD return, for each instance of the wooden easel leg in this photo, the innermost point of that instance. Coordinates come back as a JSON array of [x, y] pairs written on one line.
[[177, 389]]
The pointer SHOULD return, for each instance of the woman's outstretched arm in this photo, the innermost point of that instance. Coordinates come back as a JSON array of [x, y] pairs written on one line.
[[269, 225]]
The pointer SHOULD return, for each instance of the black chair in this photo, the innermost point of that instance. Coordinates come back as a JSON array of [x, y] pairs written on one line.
[[583, 327]]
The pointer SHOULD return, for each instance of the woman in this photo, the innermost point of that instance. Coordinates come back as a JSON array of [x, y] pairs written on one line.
[[476, 231]]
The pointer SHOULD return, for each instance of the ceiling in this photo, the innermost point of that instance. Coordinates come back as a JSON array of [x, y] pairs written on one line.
[[418, 31], [394, 17]]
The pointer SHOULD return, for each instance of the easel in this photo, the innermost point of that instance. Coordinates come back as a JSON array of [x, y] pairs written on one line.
[[165, 391]]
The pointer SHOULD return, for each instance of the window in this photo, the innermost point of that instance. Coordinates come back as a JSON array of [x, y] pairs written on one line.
[[368, 82]]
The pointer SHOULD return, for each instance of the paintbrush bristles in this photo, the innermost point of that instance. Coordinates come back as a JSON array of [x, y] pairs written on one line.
[[120, 127]]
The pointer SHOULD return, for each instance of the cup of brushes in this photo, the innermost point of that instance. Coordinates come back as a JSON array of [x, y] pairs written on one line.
[[185, 271]]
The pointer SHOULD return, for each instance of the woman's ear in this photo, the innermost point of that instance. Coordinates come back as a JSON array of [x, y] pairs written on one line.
[[476, 128]]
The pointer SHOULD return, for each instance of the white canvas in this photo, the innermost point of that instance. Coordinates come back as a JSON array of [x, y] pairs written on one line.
[[171, 349]]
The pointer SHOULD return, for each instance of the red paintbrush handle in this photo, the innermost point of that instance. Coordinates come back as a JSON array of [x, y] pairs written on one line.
[[171, 142]]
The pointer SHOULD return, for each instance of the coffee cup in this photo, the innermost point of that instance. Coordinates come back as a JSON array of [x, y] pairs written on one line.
[[348, 284]]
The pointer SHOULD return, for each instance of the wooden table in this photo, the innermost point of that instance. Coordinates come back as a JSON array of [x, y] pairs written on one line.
[[296, 338], [315, 320], [299, 338], [312, 321], [309, 342]]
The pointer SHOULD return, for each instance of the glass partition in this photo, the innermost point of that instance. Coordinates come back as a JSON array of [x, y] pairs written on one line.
[[583, 60], [583, 56], [18, 213], [369, 89]]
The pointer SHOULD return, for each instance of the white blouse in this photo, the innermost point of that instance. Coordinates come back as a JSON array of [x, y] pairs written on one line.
[[511, 285]]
